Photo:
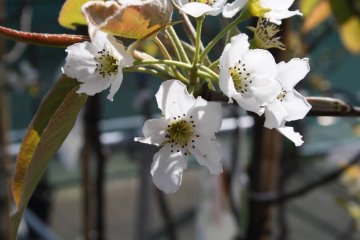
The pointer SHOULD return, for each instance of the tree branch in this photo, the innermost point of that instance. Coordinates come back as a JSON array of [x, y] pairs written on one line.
[[43, 39]]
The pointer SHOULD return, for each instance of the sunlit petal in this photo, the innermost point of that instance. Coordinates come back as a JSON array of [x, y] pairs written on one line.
[[167, 168]]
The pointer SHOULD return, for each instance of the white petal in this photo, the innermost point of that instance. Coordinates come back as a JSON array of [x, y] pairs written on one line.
[[154, 131], [80, 63], [99, 38], [219, 3], [207, 117], [94, 85], [167, 168], [264, 90], [173, 99], [296, 106], [119, 51], [226, 83], [275, 113], [289, 132], [231, 9], [275, 16], [276, 4], [208, 153], [290, 73], [239, 46], [260, 63], [249, 104], [115, 84], [196, 9]]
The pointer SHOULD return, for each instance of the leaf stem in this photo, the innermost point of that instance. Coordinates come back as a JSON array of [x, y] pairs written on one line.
[[200, 21], [166, 54], [178, 45]]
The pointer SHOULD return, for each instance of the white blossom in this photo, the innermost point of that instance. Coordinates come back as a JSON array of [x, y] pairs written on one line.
[[274, 10], [197, 8], [289, 105], [97, 64], [248, 75], [187, 128]]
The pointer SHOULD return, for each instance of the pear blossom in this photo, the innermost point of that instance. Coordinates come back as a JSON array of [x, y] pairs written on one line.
[[274, 10], [97, 64], [187, 128], [289, 105], [248, 75], [197, 8]]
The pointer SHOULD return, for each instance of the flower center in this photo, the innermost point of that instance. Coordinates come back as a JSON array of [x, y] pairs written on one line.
[[106, 64], [180, 132], [207, 2], [240, 77], [281, 95]]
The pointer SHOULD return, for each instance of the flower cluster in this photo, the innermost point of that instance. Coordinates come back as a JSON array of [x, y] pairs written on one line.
[[248, 75], [258, 84]]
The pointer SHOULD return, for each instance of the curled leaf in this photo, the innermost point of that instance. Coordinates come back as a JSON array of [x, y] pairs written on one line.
[[134, 20], [70, 14]]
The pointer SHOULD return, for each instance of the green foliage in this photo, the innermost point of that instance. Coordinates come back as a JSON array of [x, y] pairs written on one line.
[[47, 131]]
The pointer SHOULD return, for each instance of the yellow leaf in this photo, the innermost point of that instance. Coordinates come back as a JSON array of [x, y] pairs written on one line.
[[28, 148], [136, 20], [318, 14], [350, 34], [48, 129], [70, 14]]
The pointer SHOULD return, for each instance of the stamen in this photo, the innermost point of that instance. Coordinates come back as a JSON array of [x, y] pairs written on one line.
[[107, 64], [281, 95], [207, 2], [240, 77], [181, 132]]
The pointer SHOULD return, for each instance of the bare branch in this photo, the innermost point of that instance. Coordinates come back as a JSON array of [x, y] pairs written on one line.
[[43, 39]]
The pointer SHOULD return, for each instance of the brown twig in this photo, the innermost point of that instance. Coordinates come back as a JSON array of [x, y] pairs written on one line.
[[43, 39]]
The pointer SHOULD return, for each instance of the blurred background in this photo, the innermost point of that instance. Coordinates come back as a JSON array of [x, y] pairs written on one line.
[[99, 184]]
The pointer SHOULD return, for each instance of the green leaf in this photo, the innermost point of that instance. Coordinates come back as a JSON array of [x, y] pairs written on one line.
[[47, 131]]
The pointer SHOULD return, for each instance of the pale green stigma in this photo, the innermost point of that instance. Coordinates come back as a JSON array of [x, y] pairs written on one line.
[[107, 64], [240, 77], [265, 35]]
